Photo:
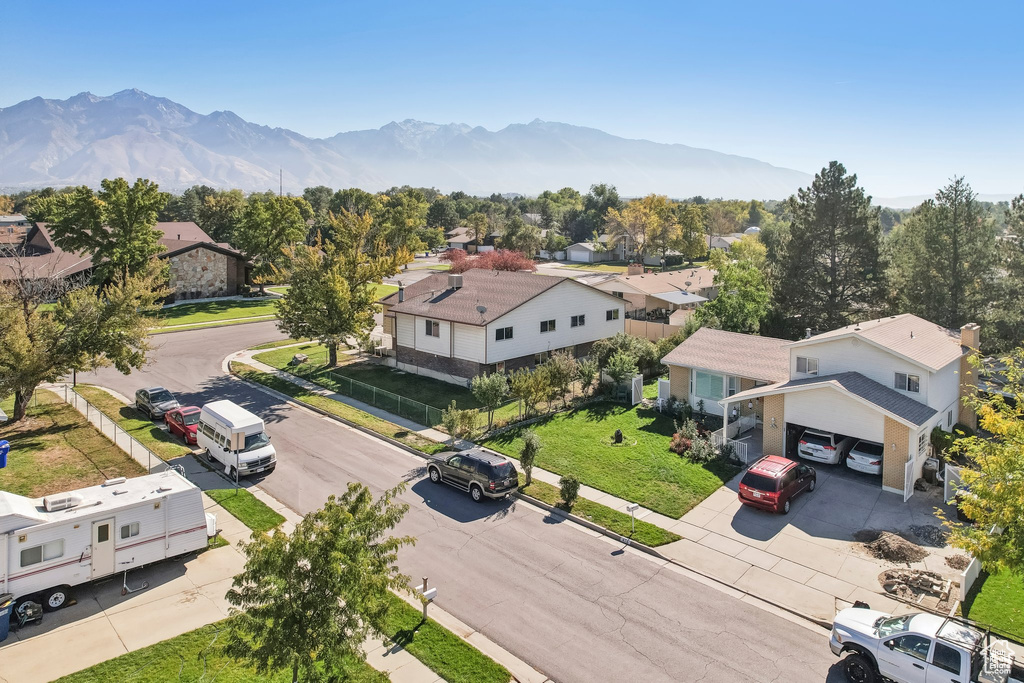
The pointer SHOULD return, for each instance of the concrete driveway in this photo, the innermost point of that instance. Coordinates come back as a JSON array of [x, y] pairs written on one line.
[[808, 560]]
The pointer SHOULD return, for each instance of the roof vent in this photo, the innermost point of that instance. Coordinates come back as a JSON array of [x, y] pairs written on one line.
[[401, 292], [61, 501], [807, 333], [115, 482], [179, 236], [454, 281], [911, 334]]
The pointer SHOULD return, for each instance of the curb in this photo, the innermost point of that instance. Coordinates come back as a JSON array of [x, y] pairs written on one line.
[[200, 326]]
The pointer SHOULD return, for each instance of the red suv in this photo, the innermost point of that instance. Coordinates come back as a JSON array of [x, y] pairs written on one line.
[[773, 481]]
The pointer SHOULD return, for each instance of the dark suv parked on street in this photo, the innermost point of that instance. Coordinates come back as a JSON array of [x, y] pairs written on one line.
[[154, 402], [484, 475]]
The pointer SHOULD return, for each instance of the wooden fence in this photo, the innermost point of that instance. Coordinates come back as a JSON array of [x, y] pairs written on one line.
[[652, 331]]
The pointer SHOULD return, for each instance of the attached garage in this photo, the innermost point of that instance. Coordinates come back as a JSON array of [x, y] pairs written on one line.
[[836, 412]]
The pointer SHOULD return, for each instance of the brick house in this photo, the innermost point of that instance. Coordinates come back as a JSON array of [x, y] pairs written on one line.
[[454, 327]]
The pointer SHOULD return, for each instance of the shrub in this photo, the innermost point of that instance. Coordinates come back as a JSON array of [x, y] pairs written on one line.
[[586, 371], [680, 444], [727, 451], [570, 488], [531, 446], [701, 451], [491, 390], [620, 367]]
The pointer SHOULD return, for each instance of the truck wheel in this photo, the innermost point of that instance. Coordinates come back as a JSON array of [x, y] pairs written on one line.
[[56, 598], [859, 669]]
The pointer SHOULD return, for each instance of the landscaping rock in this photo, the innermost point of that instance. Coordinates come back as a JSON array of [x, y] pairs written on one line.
[[930, 534], [298, 359]]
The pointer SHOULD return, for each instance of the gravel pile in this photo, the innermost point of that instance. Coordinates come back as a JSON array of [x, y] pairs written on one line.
[[930, 534]]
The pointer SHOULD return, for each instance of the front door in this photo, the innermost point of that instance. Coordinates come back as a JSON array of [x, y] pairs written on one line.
[[102, 548]]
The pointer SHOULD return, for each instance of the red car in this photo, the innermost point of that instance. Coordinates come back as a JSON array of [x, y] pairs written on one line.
[[183, 422], [773, 481]]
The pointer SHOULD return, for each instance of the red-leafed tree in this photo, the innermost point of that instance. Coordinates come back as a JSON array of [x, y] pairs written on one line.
[[499, 259], [453, 256]]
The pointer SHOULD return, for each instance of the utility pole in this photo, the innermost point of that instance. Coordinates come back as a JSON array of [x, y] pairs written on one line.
[[280, 189]]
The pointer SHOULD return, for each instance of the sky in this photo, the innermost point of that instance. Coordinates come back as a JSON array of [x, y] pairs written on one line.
[[905, 93]]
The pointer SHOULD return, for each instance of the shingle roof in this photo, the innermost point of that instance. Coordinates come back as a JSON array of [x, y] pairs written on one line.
[[856, 384], [688, 280], [498, 291], [185, 231], [916, 339], [745, 355]]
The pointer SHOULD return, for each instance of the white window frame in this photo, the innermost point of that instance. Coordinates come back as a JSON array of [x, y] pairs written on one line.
[[808, 362], [51, 550], [612, 314], [433, 329], [578, 320], [132, 529], [949, 418], [732, 385], [922, 442], [505, 332], [697, 384], [547, 326], [904, 381]]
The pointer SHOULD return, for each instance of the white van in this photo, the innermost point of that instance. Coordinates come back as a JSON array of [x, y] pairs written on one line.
[[233, 436]]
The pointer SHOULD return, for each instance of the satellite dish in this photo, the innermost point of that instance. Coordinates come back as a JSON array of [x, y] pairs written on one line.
[[481, 309]]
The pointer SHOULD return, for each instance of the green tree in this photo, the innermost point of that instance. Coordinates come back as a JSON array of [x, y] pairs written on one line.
[[1008, 314], [306, 601], [993, 483], [645, 225], [333, 294], [691, 240], [189, 206], [477, 223], [756, 213], [115, 226], [443, 214], [944, 258], [518, 236], [88, 328], [528, 453], [319, 198], [491, 391], [743, 296], [561, 372], [586, 371], [268, 227], [643, 351], [620, 367], [832, 270], [401, 214], [220, 213], [569, 487]]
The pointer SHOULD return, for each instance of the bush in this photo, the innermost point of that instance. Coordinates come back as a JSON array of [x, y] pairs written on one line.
[[531, 446], [570, 488], [701, 451], [727, 451], [961, 431], [680, 444]]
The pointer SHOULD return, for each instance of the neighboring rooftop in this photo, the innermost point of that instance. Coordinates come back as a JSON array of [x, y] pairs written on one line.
[[916, 339], [745, 355], [685, 280]]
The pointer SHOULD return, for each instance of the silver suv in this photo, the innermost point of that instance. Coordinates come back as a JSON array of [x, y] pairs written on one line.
[[823, 447], [154, 402]]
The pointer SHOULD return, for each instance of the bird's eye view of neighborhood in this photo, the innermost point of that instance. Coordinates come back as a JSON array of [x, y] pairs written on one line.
[[481, 343]]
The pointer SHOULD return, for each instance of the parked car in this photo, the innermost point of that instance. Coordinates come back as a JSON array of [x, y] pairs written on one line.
[[483, 474], [155, 402], [916, 648], [866, 457], [824, 447], [772, 482], [183, 422]]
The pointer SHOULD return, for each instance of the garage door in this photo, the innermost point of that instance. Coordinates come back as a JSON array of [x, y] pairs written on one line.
[[579, 255], [835, 412]]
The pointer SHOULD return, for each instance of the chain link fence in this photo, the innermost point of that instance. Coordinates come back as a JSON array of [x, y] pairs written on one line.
[[396, 404]]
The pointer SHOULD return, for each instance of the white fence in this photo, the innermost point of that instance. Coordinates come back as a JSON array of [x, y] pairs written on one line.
[[951, 482], [968, 577], [719, 439]]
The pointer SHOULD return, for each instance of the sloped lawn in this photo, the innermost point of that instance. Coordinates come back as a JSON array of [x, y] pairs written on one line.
[[997, 600], [644, 470]]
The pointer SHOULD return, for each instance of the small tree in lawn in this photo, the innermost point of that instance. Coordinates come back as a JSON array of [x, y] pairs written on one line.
[[528, 453], [586, 372], [620, 367], [561, 371], [307, 601], [519, 387], [491, 390], [450, 420], [570, 489]]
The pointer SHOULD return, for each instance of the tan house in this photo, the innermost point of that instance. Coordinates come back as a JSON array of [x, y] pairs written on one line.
[[889, 381], [659, 294]]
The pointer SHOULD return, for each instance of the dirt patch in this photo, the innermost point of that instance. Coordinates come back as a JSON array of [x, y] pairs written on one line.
[[958, 562], [892, 548], [931, 535]]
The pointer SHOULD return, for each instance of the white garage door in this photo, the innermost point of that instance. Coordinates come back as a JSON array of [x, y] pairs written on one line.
[[833, 411], [579, 255]]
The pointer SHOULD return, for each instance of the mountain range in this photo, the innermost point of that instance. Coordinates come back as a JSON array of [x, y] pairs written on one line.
[[85, 138]]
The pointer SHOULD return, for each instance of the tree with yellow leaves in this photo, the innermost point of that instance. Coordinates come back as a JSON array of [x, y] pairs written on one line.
[[646, 226]]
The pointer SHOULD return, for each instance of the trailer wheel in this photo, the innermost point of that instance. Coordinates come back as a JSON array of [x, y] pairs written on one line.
[[56, 598]]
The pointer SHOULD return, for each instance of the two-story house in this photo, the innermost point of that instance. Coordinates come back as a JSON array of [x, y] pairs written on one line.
[[455, 327], [890, 381]]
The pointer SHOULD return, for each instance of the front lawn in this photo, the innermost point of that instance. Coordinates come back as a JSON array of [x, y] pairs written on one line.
[[55, 449], [380, 291], [213, 311], [604, 267], [147, 432], [997, 600], [247, 508], [643, 470]]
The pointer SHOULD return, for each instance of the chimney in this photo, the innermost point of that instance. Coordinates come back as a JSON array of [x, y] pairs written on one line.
[[454, 281], [401, 293], [635, 269], [807, 333], [970, 336]]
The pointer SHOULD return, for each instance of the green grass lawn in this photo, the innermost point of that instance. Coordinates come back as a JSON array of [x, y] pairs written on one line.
[[278, 290], [997, 600], [194, 656], [610, 519], [132, 421], [605, 267], [645, 471], [279, 343], [247, 508], [342, 410], [279, 358], [55, 449], [213, 311], [383, 290]]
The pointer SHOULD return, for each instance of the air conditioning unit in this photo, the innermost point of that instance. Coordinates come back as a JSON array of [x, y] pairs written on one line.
[[61, 501]]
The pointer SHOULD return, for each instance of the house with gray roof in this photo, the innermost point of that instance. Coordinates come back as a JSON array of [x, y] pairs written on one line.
[[455, 327], [889, 381]]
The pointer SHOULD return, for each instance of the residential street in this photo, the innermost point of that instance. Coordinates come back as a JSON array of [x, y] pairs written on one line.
[[574, 605]]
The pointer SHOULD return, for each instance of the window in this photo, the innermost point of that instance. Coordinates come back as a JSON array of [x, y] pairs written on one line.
[[103, 533], [547, 325], [807, 366], [949, 419], [129, 530], [618, 294], [612, 314], [905, 382], [539, 358], [433, 328], [578, 321], [734, 385], [206, 429], [709, 385], [922, 442], [42, 553], [915, 646], [502, 333], [946, 658]]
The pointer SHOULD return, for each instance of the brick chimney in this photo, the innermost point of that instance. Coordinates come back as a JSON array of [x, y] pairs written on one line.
[[970, 341], [635, 269]]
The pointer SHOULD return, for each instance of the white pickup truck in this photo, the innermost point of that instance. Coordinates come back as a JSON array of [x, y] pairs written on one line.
[[917, 648]]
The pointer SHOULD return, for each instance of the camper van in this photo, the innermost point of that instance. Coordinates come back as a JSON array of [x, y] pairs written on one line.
[[235, 438], [50, 545]]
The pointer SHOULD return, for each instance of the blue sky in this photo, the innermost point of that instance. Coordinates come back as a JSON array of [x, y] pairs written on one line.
[[906, 94]]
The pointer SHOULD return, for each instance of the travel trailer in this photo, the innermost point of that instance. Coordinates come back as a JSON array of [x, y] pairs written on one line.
[[50, 545], [235, 438]]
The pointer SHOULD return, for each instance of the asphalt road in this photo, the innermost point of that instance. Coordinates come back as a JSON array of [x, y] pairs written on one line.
[[575, 606]]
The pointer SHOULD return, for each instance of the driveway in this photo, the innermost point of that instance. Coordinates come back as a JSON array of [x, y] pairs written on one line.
[[808, 559]]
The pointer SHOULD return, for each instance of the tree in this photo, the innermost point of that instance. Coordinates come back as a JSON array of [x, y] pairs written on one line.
[[528, 388], [756, 213], [477, 223], [220, 213], [586, 371], [115, 226], [333, 294], [944, 258], [268, 227], [319, 198], [743, 295], [644, 225], [832, 271], [6, 205], [561, 371], [691, 241], [1007, 328], [518, 236], [643, 351], [491, 391], [579, 223], [499, 259], [528, 453], [432, 237], [458, 423], [189, 206], [750, 250], [401, 214], [569, 487], [993, 483], [620, 367], [306, 601], [443, 214], [88, 328]]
